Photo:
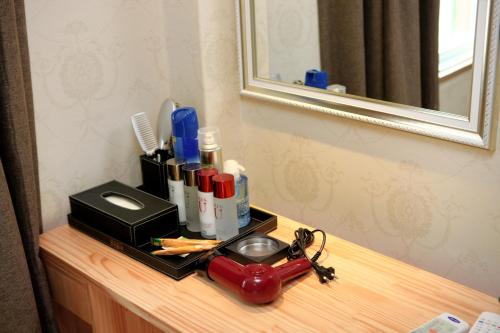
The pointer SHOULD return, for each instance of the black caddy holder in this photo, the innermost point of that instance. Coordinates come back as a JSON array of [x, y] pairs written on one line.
[[154, 173], [130, 230]]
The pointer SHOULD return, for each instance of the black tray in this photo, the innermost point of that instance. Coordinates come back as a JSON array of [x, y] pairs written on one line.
[[176, 267]]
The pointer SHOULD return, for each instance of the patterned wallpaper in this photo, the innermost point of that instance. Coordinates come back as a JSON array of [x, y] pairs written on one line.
[[94, 63], [428, 202]]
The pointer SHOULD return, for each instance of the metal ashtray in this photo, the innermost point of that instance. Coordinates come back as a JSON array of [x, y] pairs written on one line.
[[257, 248]]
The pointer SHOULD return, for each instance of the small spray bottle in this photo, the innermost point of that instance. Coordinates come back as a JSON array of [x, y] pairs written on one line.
[[210, 149]]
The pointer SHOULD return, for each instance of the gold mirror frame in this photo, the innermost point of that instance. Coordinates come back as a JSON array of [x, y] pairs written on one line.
[[476, 130]]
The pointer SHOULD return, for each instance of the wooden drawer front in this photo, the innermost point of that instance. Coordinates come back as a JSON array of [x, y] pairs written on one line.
[[70, 292], [111, 317]]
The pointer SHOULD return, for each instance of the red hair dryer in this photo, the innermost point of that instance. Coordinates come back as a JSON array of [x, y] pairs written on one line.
[[255, 283]]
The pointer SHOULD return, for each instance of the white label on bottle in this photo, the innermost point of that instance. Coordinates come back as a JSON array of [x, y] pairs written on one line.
[[226, 218], [176, 195], [192, 215], [206, 211]]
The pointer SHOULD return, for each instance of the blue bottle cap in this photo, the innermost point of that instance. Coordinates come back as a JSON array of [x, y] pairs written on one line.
[[185, 122], [317, 79]]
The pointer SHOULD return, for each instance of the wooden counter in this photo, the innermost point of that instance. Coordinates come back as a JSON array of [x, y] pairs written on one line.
[[97, 288]]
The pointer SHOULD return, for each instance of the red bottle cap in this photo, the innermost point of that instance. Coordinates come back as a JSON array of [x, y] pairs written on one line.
[[223, 185], [205, 179]]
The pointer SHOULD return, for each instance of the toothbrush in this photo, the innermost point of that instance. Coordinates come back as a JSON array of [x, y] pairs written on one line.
[[144, 133]]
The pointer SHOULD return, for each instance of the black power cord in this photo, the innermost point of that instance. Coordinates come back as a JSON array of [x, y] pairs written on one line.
[[303, 239]]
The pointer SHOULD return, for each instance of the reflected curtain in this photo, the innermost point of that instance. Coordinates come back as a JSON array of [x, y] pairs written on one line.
[[383, 49], [25, 304]]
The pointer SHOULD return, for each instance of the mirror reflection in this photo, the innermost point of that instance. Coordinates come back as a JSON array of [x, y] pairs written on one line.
[[410, 52]]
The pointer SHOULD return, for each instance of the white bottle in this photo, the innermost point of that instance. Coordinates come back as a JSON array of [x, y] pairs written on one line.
[[190, 176], [241, 188], [206, 202], [176, 188], [226, 217]]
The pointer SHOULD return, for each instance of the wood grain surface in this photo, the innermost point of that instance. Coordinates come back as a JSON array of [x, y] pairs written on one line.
[[374, 293]]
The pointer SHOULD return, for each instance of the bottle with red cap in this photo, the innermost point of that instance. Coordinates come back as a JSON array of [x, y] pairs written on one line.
[[226, 216], [206, 202]]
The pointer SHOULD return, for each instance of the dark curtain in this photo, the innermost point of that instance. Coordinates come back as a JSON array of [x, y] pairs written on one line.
[[25, 304], [383, 49]]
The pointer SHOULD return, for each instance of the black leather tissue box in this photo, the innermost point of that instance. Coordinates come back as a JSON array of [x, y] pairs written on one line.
[[101, 210]]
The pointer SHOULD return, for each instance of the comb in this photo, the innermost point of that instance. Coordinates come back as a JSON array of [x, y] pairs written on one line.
[[144, 133]]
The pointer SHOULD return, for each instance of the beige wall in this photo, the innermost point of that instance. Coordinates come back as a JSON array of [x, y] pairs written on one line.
[[429, 202], [94, 64], [454, 95], [287, 38]]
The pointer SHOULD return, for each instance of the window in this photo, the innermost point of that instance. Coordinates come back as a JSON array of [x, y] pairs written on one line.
[[457, 19]]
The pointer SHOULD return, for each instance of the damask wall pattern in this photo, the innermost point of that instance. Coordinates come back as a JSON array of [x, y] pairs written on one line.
[[94, 64], [431, 203]]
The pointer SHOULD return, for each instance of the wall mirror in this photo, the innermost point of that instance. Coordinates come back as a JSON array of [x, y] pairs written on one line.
[[426, 67]]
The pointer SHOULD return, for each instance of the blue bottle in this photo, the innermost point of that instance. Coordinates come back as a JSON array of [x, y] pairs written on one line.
[[185, 135], [241, 188]]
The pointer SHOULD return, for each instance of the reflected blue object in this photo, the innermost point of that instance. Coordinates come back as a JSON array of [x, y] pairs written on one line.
[[316, 79]]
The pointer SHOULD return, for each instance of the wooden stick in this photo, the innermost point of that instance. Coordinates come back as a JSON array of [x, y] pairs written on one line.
[[183, 249], [175, 242]]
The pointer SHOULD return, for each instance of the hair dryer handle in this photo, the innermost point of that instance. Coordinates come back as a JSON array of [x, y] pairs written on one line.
[[293, 268]]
